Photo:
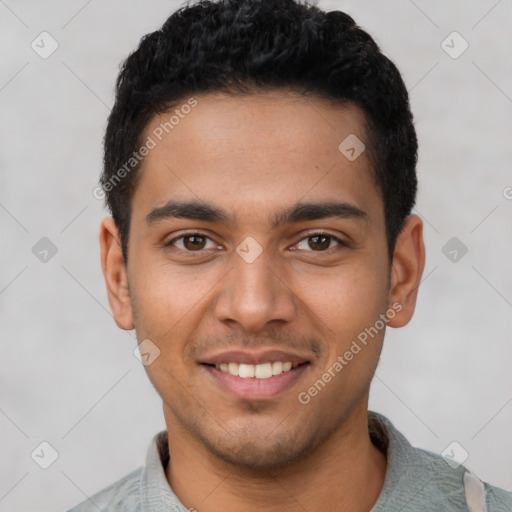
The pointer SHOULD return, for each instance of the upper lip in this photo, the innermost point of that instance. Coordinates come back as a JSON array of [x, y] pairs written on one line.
[[254, 357]]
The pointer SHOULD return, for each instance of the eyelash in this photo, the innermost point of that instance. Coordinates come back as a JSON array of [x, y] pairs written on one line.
[[341, 243]]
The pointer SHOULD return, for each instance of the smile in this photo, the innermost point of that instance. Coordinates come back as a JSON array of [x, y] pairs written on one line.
[[256, 371], [256, 381]]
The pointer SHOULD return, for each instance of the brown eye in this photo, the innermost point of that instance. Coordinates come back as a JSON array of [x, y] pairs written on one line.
[[194, 242], [319, 242]]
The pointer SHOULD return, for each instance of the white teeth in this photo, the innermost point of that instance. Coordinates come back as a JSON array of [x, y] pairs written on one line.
[[263, 371], [258, 371], [246, 370], [233, 368], [277, 368]]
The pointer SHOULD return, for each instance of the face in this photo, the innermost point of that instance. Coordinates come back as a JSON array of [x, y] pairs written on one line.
[[255, 243]]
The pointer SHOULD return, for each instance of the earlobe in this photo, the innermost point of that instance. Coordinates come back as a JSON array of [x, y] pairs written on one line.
[[114, 273], [406, 270]]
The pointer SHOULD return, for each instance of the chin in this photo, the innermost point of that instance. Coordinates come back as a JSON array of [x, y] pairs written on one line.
[[259, 451]]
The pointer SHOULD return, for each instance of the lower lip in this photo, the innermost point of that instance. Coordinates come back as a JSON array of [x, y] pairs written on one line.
[[256, 389]]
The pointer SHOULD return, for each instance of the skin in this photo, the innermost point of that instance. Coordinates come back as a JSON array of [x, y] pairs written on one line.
[[253, 156]]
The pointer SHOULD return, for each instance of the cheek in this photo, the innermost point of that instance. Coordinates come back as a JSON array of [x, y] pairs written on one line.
[[347, 307], [169, 304], [168, 300], [347, 300]]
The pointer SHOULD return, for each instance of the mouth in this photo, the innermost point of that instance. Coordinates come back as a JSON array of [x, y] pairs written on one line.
[[256, 371], [255, 375]]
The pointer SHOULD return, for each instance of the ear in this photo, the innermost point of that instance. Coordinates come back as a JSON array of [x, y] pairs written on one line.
[[406, 270], [114, 273]]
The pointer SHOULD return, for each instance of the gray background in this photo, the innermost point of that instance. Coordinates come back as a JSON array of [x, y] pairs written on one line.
[[68, 374]]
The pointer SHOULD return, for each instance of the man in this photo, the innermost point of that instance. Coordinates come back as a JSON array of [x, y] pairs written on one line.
[[260, 170]]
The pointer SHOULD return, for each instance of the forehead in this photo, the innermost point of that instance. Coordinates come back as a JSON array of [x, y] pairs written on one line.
[[255, 150]]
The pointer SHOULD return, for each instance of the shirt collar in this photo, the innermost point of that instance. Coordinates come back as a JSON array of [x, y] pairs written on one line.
[[407, 474], [156, 493]]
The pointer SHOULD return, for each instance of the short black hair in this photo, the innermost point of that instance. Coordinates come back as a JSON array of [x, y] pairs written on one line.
[[250, 46]]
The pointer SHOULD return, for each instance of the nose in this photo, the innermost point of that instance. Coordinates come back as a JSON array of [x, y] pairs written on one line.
[[253, 294]]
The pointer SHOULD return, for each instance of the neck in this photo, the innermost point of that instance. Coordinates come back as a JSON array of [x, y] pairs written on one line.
[[346, 473]]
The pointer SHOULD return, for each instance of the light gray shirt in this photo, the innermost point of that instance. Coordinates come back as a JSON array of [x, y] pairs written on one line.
[[416, 481]]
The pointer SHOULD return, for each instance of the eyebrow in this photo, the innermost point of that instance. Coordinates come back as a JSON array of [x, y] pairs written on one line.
[[196, 210]]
